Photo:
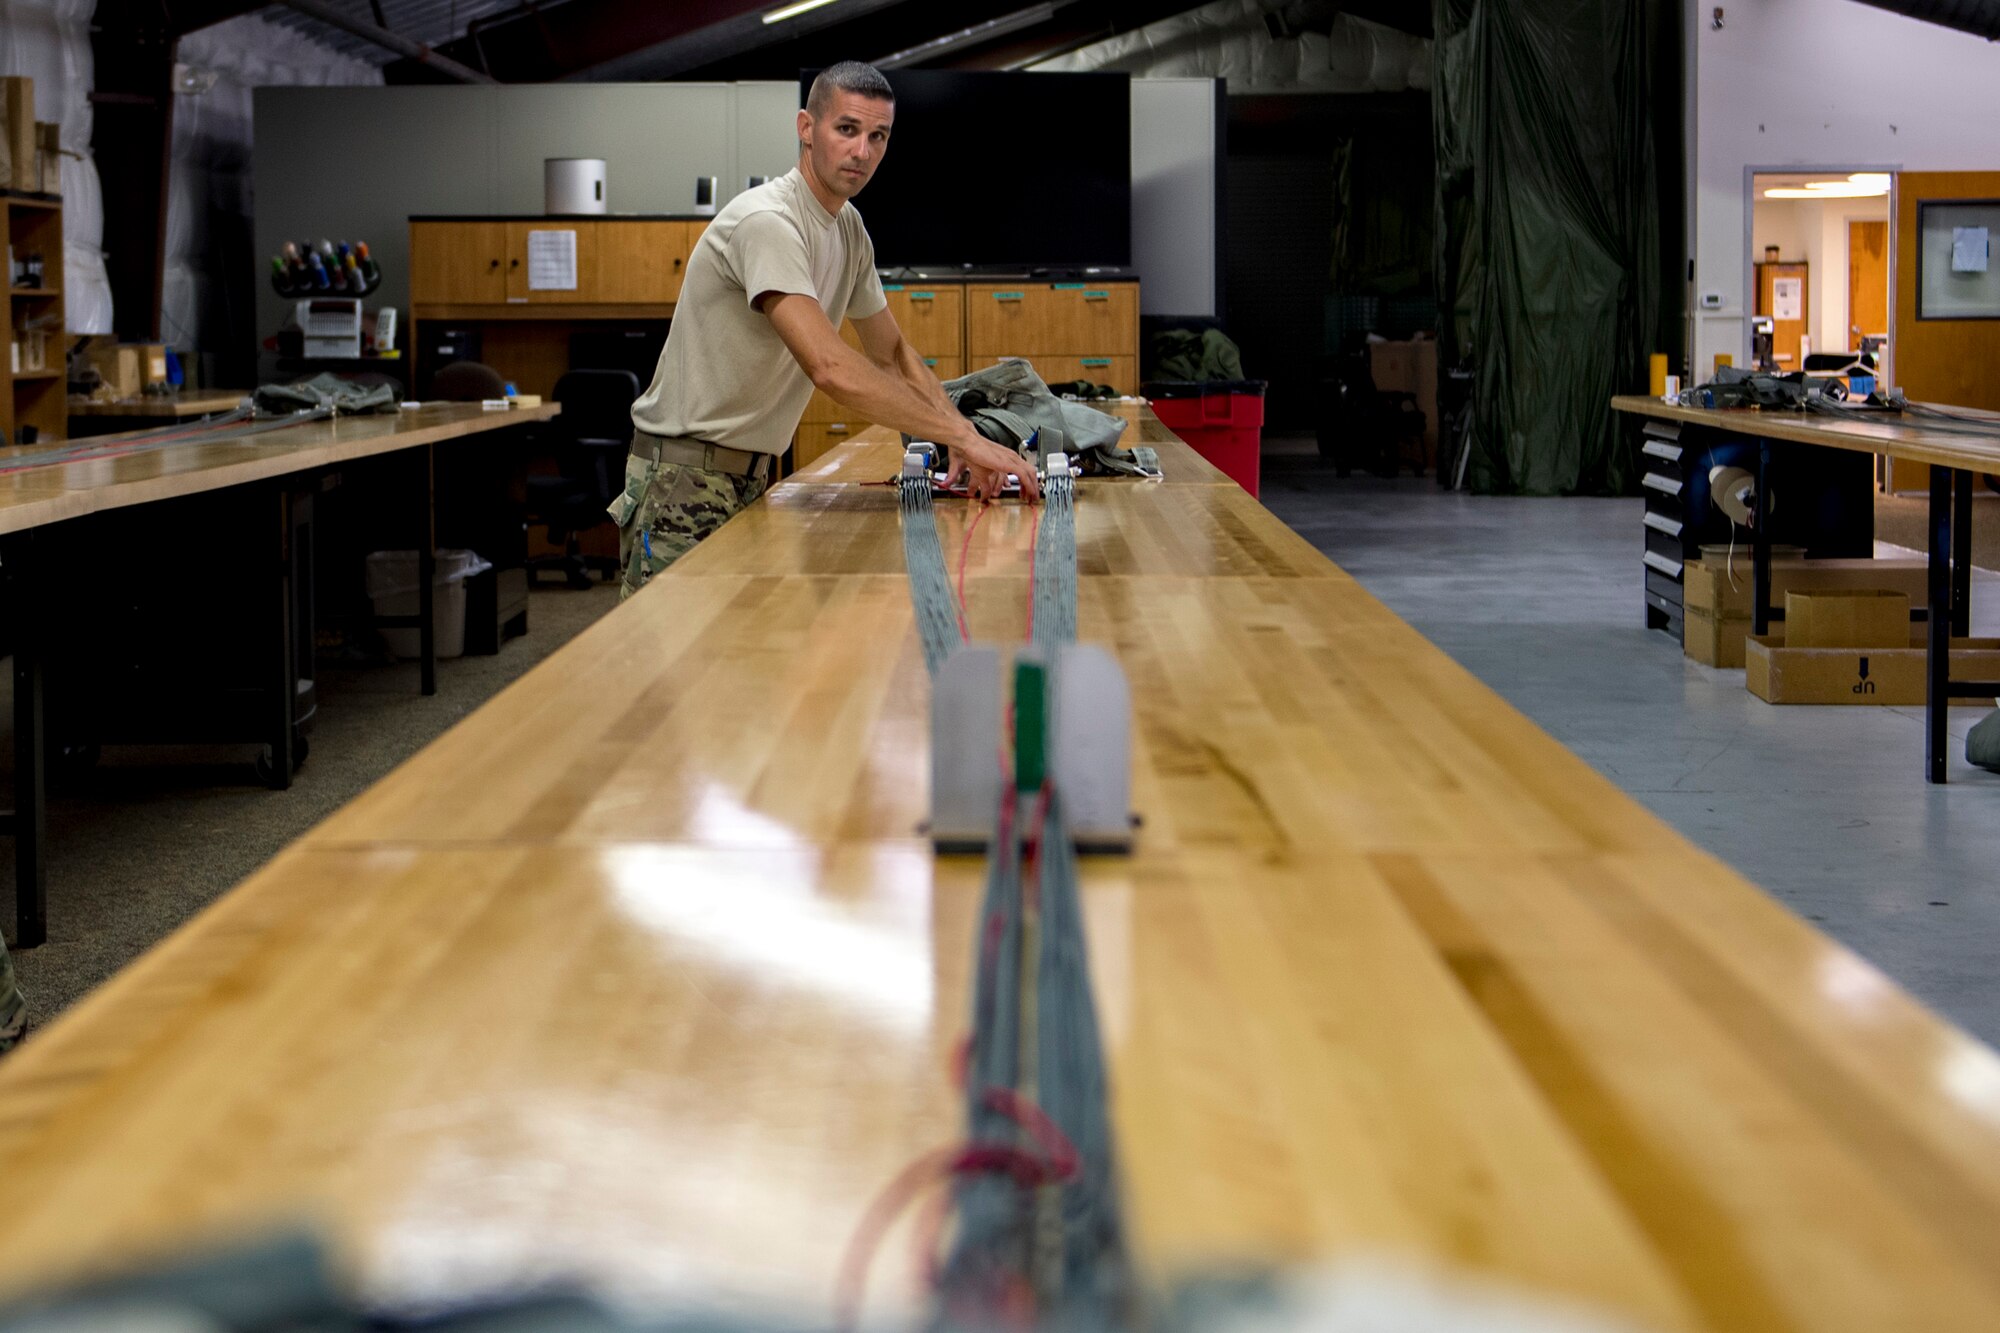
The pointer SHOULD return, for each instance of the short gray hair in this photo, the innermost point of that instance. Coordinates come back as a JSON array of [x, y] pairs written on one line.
[[849, 76]]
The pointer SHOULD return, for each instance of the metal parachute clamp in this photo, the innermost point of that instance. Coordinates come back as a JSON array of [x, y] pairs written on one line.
[[1072, 706]]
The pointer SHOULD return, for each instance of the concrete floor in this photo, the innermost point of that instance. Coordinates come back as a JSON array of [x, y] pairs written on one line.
[[1825, 807]]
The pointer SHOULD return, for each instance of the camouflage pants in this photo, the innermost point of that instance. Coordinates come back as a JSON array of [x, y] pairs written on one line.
[[13, 1009], [666, 508]]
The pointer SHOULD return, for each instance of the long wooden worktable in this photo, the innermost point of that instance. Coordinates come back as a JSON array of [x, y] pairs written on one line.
[[644, 973], [1956, 460], [43, 485]]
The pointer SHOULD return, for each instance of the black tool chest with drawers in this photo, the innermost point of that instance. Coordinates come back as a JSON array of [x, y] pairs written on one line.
[[1822, 500]]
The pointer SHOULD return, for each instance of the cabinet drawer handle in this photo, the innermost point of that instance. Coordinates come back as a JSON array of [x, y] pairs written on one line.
[[1006, 296], [1097, 296], [1096, 360], [923, 296], [930, 361], [837, 428], [1654, 560], [494, 264]]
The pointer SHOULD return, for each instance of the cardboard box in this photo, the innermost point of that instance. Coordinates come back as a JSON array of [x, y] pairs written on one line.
[[118, 366], [1410, 367], [1740, 555], [128, 368], [1709, 585], [1781, 675], [1717, 613], [1846, 618], [1714, 639], [17, 95]]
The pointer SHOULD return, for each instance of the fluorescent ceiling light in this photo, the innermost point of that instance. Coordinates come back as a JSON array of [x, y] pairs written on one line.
[[793, 10], [1860, 185]]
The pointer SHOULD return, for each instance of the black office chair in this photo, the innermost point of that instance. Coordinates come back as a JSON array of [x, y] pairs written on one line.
[[591, 439], [467, 382]]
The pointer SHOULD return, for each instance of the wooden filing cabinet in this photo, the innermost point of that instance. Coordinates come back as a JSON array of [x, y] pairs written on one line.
[[1067, 330], [932, 319], [643, 262], [458, 263], [619, 262], [826, 423], [474, 271], [1120, 372]]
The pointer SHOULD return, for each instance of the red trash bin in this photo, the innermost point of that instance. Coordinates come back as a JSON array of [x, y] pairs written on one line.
[[1222, 420]]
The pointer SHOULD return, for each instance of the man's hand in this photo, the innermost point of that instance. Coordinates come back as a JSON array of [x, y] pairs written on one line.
[[985, 466]]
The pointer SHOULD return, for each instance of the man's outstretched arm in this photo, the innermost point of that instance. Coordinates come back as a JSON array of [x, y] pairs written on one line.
[[893, 400]]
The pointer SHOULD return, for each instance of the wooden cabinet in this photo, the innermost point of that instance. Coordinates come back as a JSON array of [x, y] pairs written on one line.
[[1067, 330], [1060, 319], [458, 263], [1120, 372], [35, 396], [617, 263], [624, 267], [640, 262], [822, 409], [816, 437], [931, 318], [474, 271]]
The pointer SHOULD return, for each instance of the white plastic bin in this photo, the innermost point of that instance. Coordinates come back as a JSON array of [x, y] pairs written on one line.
[[392, 591]]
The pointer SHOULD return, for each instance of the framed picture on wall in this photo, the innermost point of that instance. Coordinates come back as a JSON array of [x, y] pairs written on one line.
[[1957, 276]]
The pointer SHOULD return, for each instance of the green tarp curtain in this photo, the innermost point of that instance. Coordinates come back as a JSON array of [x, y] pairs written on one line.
[[1548, 231]]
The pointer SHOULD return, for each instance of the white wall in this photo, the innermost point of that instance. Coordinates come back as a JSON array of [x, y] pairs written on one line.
[[1173, 194], [1810, 84], [1816, 231], [767, 131]]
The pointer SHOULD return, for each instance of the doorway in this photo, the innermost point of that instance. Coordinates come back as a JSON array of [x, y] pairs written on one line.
[[1819, 260]]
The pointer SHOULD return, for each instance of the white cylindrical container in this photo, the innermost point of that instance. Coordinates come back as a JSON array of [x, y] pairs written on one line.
[[573, 185]]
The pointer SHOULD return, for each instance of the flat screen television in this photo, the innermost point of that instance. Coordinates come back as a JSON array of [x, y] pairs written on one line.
[[1003, 171]]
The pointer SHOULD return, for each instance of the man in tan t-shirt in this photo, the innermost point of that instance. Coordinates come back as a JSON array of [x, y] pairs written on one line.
[[757, 329]]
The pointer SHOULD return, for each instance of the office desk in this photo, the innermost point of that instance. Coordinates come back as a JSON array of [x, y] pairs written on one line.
[[42, 485], [1955, 461], [644, 973]]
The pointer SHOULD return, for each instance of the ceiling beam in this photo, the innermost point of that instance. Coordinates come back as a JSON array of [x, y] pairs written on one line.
[[539, 42], [601, 40], [734, 38], [389, 41], [179, 17]]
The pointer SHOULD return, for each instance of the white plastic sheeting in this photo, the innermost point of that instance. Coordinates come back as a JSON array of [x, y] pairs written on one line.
[[49, 41], [209, 189], [1229, 40]]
